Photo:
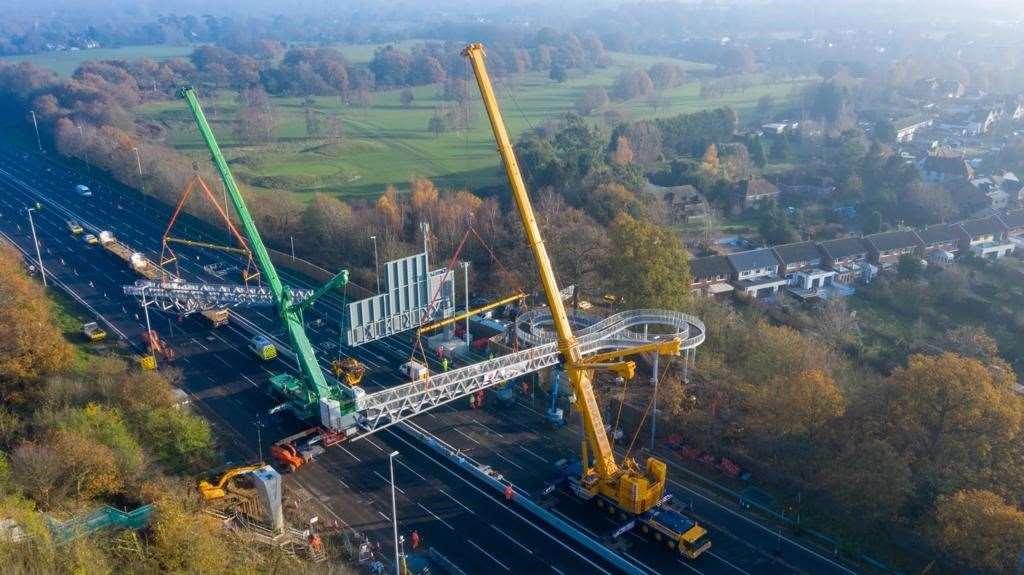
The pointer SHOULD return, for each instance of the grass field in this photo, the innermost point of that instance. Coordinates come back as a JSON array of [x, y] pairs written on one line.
[[64, 63], [387, 143]]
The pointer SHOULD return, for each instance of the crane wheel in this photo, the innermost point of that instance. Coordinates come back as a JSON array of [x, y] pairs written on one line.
[[657, 536], [671, 544], [611, 510], [600, 502], [645, 529]]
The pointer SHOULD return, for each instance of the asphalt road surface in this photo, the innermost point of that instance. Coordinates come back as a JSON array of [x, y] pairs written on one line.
[[478, 531]]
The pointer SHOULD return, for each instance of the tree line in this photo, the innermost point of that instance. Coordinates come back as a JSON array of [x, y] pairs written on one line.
[[78, 431]]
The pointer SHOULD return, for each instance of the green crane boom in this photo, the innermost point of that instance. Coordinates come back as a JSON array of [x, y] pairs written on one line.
[[304, 396]]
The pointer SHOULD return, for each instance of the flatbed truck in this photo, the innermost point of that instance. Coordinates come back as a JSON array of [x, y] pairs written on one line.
[[135, 260]]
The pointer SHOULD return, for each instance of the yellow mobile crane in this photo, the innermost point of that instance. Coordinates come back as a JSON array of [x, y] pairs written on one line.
[[636, 493]]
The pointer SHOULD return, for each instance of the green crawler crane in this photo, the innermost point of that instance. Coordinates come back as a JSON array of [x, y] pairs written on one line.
[[310, 396]]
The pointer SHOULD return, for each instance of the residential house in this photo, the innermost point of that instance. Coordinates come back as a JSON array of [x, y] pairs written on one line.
[[886, 248], [758, 190], [779, 128], [907, 127], [986, 237], [801, 265], [941, 169], [991, 188], [936, 88], [941, 242], [756, 272], [848, 257], [710, 275], [952, 89], [1014, 189], [1014, 224]]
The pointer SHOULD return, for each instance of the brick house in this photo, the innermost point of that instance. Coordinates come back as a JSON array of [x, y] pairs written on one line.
[[711, 275], [941, 169], [885, 249], [758, 190], [848, 257], [986, 237], [941, 242], [801, 265], [756, 272]]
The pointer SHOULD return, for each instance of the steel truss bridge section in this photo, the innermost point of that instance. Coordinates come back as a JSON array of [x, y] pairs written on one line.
[[384, 408], [189, 297]]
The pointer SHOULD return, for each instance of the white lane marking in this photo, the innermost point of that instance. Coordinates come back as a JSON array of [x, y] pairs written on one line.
[[446, 524], [413, 471], [249, 380], [513, 463], [385, 480], [509, 537], [729, 563], [540, 529], [493, 558], [350, 453], [374, 443], [197, 342], [460, 504], [526, 449], [386, 518], [459, 431], [488, 428]]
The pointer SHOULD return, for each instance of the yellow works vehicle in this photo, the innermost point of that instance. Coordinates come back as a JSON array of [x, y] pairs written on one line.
[[91, 239], [75, 227], [219, 489], [263, 348], [349, 370], [93, 332]]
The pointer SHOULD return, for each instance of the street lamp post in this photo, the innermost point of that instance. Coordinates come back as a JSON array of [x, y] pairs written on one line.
[[85, 149], [394, 508], [36, 125], [259, 436], [291, 241], [138, 162], [376, 266], [654, 413], [35, 240], [149, 329], [465, 278]]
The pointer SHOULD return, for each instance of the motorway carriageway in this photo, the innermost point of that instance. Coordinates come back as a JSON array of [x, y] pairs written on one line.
[[516, 442], [477, 530]]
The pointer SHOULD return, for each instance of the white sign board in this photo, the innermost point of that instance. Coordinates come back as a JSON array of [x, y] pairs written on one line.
[[413, 296]]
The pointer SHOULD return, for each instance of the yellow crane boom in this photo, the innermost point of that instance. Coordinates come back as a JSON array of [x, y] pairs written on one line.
[[470, 313], [634, 490]]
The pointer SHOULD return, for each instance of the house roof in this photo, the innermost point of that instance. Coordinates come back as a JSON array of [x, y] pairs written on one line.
[[910, 122], [947, 165], [983, 226], [758, 187], [798, 252], [894, 240], [762, 258], [843, 247], [709, 266], [1013, 220], [939, 234]]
